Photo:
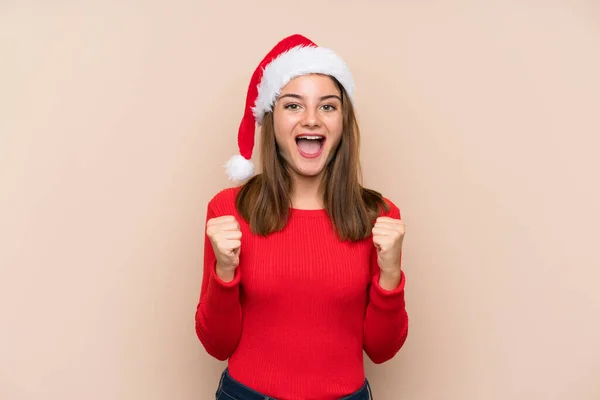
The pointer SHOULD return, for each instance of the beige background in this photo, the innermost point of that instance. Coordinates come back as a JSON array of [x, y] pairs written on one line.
[[480, 120]]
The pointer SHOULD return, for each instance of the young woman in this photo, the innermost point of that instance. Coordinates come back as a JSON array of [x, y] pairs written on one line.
[[302, 265]]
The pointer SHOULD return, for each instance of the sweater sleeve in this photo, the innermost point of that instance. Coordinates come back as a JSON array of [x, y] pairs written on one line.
[[219, 312], [386, 319]]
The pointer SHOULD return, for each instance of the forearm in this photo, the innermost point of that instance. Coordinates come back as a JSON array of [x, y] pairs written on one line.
[[386, 319], [390, 281], [224, 274], [219, 315]]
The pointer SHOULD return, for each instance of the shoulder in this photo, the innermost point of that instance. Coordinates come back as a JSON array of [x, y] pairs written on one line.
[[381, 205], [225, 195], [223, 202], [393, 211]]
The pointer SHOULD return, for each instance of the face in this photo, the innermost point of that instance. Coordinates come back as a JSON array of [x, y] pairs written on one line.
[[308, 123]]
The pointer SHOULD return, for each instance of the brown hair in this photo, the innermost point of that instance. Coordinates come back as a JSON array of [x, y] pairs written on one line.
[[264, 200]]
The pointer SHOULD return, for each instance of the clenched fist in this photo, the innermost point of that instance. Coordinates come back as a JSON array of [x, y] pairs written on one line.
[[388, 235], [225, 236]]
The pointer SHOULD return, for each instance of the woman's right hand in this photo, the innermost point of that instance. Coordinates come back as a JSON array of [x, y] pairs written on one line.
[[225, 236]]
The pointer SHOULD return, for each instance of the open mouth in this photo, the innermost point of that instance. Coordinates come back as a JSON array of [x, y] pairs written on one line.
[[310, 146]]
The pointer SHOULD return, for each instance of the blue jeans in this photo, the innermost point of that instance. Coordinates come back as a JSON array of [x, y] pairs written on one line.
[[230, 389]]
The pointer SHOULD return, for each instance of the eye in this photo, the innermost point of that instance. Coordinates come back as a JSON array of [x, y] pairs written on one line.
[[329, 107], [291, 106]]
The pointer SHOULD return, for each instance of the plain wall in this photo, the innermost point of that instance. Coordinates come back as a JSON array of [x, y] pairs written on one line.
[[480, 119]]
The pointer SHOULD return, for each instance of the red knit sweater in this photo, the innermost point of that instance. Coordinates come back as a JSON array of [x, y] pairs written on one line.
[[301, 308]]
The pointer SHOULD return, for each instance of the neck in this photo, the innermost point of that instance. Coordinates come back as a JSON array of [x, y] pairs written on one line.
[[306, 192]]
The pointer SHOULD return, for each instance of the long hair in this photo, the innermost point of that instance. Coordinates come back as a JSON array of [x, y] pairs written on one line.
[[264, 201]]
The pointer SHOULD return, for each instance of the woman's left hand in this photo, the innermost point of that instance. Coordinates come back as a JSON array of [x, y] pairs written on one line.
[[388, 235]]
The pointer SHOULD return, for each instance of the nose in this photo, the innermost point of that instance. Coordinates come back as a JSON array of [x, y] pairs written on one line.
[[311, 119]]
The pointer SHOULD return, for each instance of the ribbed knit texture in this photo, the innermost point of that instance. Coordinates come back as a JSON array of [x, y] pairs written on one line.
[[301, 309]]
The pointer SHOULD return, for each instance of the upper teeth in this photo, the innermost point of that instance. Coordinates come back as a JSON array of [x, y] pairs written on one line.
[[310, 137]]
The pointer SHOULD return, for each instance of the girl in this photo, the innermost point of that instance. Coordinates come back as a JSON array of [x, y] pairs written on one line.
[[302, 265]]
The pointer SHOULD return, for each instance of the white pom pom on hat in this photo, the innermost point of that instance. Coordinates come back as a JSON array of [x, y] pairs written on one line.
[[293, 56], [239, 168]]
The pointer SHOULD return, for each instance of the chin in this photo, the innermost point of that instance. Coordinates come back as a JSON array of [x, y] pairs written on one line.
[[309, 171]]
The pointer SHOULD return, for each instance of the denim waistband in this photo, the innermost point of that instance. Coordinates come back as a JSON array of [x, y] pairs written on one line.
[[234, 390]]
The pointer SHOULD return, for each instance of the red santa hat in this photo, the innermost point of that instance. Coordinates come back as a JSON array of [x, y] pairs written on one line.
[[293, 56]]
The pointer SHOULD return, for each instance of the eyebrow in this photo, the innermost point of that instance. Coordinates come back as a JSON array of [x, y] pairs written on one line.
[[297, 96]]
